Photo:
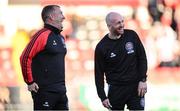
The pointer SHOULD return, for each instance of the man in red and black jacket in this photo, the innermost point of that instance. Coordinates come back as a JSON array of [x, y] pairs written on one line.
[[43, 64]]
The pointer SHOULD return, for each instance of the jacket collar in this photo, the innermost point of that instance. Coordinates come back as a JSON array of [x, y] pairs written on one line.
[[52, 28]]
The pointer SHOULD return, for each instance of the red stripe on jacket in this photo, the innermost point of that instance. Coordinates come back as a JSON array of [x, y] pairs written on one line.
[[36, 45]]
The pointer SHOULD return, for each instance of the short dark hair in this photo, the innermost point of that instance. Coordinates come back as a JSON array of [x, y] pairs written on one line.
[[46, 11]]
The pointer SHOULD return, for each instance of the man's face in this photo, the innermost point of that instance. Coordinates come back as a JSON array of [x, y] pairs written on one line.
[[57, 18], [117, 25]]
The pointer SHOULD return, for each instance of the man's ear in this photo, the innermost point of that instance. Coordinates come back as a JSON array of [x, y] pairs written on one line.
[[50, 18]]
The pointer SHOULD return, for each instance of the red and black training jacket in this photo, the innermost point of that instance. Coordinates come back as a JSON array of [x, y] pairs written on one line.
[[42, 61]]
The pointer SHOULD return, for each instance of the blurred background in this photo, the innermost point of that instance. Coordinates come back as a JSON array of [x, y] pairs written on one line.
[[157, 22]]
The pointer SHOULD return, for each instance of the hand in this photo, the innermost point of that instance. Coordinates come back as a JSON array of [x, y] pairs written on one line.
[[106, 103], [33, 87], [142, 88]]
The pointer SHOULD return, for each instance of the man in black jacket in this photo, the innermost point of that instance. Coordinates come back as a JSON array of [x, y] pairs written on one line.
[[42, 63], [120, 56]]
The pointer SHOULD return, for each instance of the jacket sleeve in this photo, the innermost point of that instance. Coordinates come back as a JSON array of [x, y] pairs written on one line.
[[99, 74], [36, 45], [141, 60]]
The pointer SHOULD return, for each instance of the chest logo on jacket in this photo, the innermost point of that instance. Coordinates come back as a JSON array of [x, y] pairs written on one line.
[[112, 55], [54, 42], [129, 47]]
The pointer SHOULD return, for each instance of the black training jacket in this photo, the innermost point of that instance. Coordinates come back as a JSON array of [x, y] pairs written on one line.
[[122, 61]]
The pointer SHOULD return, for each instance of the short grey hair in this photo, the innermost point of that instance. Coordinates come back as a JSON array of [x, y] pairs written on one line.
[[47, 10]]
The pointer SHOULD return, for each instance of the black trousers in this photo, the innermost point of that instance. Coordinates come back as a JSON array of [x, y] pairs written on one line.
[[48, 100], [119, 96]]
